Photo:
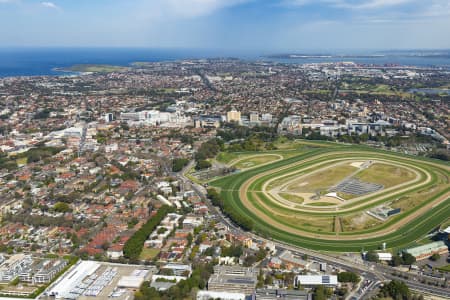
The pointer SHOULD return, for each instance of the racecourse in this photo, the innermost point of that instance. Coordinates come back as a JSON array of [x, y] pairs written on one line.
[[257, 193]]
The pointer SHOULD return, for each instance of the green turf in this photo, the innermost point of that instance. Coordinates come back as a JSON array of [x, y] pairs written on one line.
[[255, 161], [148, 253]]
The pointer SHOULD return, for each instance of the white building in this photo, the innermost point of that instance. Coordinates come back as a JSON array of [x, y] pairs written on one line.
[[384, 256], [315, 280], [11, 268], [206, 295]]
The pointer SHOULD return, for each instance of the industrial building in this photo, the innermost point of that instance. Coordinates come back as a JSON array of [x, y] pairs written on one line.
[[233, 279], [427, 250], [100, 280]]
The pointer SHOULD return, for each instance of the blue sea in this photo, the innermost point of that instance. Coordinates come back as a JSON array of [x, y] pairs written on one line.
[[44, 61]]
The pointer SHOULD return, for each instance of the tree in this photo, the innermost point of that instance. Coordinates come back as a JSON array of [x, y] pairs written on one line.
[[202, 164], [133, 247], [178, 164], [348, 277], [408, 259], [321, 293], [62, 207], [396, 289], [396, 261], [435, 257], [372, 256]]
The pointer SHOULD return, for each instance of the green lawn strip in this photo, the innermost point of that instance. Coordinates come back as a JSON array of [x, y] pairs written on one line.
[[400, 238], [254, 161], [283, 220], [445, 269], [320, 204], [292, 198]]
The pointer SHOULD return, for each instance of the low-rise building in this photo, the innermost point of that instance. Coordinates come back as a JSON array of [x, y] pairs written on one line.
[[384, 256], [11, 268], [315, 280], [233, 279], [274, 294]]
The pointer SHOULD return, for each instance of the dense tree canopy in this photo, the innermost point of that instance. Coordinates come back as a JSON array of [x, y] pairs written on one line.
[[133, 247], [243, 221]]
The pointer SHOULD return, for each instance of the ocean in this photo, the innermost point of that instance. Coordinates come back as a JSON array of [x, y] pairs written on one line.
[[44, 61]]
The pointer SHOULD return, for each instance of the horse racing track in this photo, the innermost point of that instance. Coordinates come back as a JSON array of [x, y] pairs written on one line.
[[342, 199]]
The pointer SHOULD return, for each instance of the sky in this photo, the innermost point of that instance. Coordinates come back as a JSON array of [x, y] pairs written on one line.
[[264, 25]]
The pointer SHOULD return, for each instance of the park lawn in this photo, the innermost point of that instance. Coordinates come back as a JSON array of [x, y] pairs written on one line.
[[321, 180], [255, 161], [385, 174], [292, 198], [148, 253]]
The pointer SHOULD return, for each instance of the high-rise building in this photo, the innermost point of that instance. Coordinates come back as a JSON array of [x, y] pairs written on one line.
[[234, 115], [254, 117]]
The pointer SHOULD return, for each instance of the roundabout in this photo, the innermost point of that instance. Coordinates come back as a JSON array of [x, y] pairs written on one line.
[[341, 199]]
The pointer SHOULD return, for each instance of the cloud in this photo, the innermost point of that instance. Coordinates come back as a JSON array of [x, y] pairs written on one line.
[[437, 8], [350, 4], [188, 8], [372, 4], [49, 5]]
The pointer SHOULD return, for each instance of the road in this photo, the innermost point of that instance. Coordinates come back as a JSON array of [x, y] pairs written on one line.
[[376, 273]]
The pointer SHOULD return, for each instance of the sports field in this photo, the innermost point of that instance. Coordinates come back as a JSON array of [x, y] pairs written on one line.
[[323, 198]]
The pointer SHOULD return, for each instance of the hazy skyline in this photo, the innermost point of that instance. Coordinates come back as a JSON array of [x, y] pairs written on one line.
[[265, 25]]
